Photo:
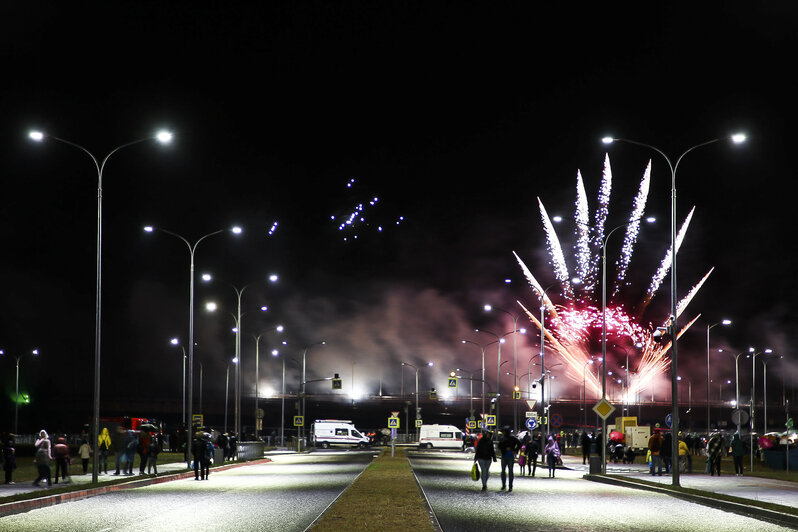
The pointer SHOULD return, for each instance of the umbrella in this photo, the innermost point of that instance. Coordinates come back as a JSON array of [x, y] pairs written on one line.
[[766, 442], [616, 436]]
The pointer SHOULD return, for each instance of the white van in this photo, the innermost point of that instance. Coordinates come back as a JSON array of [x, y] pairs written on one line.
[[440, 437], [326, 432]]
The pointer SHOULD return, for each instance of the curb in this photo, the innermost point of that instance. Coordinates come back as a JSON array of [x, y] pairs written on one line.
[[16, 507], [756, 512]]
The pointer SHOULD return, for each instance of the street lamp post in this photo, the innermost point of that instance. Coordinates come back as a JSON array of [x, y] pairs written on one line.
[[176, 342], [163, 137], [709, 327], [192, 248], [500, 340], [429, 364], [34, 352], [604, 334], [753, 354], [304, 379], [765, 393], [736, 382], [482, 348], [737, 138], [257, 337], [513, 317]]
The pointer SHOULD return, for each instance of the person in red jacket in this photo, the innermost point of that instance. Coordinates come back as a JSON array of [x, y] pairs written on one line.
[[62, 460]]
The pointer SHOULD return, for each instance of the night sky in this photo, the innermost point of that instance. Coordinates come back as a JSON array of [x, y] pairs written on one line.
[[457, 116]]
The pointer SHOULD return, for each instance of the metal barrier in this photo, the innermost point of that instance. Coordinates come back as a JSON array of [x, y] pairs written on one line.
[[250, 450]]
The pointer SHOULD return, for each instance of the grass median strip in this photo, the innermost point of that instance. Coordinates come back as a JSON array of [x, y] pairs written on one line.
[[386, 495]]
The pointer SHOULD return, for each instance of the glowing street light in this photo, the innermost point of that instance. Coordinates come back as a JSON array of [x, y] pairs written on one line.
[[39, 136], [736, 138]]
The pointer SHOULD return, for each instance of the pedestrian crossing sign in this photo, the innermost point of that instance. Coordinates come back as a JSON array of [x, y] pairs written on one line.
[[471, 425], [490, 420], [419, 423], [393, 422], [299, 421], [452, 382]]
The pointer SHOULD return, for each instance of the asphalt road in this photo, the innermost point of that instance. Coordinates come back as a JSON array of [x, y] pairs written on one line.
[[565, 503], [285, 495]]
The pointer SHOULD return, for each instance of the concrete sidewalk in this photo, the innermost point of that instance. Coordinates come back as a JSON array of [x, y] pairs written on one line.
[[82, 487], [7, 490], [751, 490]]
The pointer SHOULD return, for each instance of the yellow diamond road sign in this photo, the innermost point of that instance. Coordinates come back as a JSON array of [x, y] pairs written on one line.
[[603, 408]]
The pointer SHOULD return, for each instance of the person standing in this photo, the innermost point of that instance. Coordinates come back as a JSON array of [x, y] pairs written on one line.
[[737, 452], [103, 447], [9, 458], [684, 455], [532, 452], [552, 454], [85, 453], [199, 450], [714, 452], [62, 460], [42, 458], [207, 457], [484, 454], [131, 442], [119, 441], [508, 447], [666, 452], [152, 453], [585, 442], [655, 446], [142, 448]]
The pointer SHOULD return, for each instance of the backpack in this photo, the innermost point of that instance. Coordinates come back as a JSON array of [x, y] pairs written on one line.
[[209, 450]]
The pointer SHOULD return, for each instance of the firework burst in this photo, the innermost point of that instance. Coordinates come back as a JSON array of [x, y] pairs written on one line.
[[574, 330]]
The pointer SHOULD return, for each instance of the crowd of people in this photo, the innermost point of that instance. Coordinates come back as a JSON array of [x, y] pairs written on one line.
[[119, 446], [527, 450]]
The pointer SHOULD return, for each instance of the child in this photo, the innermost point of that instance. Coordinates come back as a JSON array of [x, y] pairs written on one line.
[[85, 453]]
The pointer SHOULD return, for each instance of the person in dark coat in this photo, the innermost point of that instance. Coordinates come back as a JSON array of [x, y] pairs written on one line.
[[585, 442], [483, 455], [531, 451], [666, 451], [508, 447], [9, 458]]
